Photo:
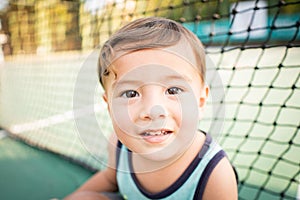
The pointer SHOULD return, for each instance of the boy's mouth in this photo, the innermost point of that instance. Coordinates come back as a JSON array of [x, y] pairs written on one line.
[[156, 136]]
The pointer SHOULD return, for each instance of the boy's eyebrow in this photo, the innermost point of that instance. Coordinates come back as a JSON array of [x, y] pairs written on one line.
[[165, 78], [129, 82], [178, 77]]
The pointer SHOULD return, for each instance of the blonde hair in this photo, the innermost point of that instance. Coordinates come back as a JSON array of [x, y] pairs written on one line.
[[149, 33]]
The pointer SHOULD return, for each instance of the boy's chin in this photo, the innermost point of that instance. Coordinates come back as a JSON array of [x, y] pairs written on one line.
[[159, 157], [162, 156]]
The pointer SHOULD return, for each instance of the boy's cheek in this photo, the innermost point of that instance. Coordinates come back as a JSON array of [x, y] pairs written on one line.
[[189, 112], [121, 115]]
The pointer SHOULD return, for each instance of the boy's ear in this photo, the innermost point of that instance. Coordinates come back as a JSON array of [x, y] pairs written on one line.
[[203, 96], [104, 96], [202, 101]]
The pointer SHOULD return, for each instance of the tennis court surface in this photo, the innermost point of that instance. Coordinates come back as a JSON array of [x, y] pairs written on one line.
[[30, 173]]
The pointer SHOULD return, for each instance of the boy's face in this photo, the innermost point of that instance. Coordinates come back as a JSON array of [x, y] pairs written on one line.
[[155, 102]]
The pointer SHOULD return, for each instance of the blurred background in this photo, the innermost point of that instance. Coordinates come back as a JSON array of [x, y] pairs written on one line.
[[53, 117], [35, 27]]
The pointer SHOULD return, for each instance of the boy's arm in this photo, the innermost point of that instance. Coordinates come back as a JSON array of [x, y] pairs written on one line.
[[104, 180], [222, 182]]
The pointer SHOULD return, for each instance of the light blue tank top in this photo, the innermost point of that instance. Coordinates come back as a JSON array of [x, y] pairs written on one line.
[[190, 185]]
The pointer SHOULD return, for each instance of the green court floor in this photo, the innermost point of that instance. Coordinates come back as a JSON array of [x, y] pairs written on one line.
[[29, 173]]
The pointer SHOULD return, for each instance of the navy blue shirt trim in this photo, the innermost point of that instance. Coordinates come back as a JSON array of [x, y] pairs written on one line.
[[206, 173], [180, 181], [118, 151]]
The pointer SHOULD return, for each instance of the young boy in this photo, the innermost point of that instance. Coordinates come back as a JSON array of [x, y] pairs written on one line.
[[153, 74]]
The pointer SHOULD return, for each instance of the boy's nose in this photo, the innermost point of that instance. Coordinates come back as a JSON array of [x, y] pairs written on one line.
[[154, 112], [153, 104]]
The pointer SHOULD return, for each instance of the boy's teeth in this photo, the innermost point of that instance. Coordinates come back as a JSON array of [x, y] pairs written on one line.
[[156, 133]]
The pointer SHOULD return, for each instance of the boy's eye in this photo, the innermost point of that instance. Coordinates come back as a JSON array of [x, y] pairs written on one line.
[[130, 94], [174, 91]]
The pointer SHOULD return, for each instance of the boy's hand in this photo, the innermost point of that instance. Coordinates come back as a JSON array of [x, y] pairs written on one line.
[[87, 195]]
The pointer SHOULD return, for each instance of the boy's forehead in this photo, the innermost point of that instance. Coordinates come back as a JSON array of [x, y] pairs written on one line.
[[153, 73], [153, 66]]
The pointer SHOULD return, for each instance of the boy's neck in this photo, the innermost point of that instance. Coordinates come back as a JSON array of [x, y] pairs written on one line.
[[144, 165]]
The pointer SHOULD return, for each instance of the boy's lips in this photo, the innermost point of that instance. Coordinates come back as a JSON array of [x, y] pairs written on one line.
[[156, 136]]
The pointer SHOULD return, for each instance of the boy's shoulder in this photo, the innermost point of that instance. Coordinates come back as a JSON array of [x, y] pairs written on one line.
[[222, 181]]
